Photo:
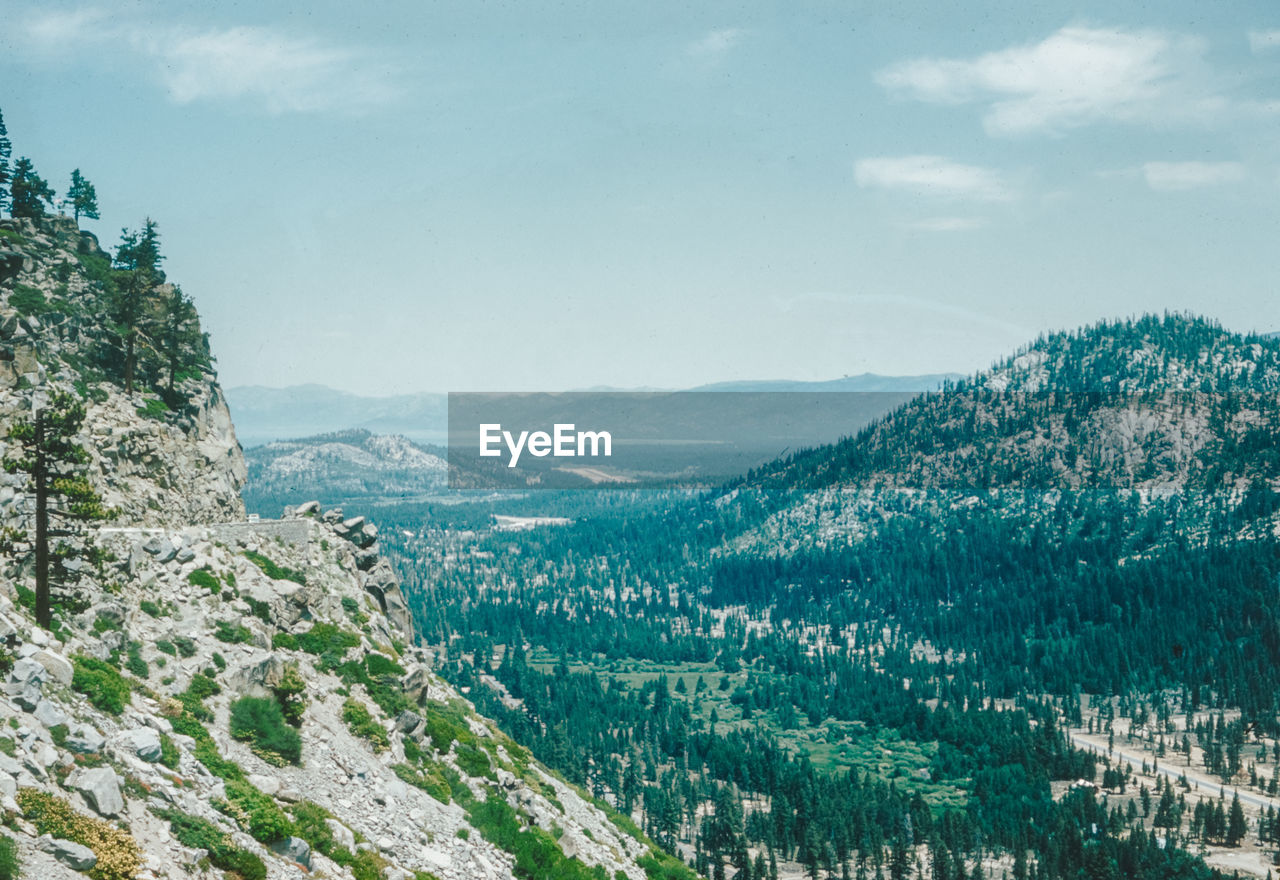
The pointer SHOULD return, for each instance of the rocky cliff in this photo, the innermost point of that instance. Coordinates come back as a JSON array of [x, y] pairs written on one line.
[[154, 465], [226, 698]]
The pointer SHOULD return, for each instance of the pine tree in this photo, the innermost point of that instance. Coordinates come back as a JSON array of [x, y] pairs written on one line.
[[84, 198], [1237, 826], [54, 462], [6, 174], [28, 191], [138, 272]]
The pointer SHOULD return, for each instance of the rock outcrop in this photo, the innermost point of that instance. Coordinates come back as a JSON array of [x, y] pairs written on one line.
[[236, 697]]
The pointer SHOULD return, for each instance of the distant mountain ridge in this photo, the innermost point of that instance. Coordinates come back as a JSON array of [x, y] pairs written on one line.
[[265, 414]]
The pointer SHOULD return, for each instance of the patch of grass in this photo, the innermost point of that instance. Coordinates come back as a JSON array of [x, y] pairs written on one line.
[[153, 408], [136, 665], [151, 609], [537, 854], [256, 812], [197, 833], [118, 855], [429, 779], [185, 645], [10, 864], [168, 752], [274, 571], [363, 724], [28, 300], [203, 577], [473, 762], [260, 722], [284, 641], [260, 610], [106, 689], [232, 633], [325, 638]]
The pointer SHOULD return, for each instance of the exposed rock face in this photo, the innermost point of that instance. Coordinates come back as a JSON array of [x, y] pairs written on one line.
[[172, 468], [147, 710]]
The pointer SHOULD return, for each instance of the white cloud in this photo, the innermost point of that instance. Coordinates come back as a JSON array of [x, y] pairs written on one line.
[[714, 44], [1075, 77], [1261, 41], [932, 175], [947, 224], [1172, 176], [282, 72]]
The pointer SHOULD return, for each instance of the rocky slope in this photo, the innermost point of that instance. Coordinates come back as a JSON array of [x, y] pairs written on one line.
[[225, 698]]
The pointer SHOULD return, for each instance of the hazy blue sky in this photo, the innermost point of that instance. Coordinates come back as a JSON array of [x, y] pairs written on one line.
[[462, 195]]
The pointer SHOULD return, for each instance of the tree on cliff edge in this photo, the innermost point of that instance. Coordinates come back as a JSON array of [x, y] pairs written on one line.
[[6, 174], [83, 197], [29, 192], [137, 275], [53, 461]]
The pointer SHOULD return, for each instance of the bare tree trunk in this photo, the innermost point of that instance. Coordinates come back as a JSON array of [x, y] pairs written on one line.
[[44, 614]]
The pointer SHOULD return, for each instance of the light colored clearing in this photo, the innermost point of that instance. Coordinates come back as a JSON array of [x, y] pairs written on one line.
[[524, 523], [595, 475], [1245, 861]]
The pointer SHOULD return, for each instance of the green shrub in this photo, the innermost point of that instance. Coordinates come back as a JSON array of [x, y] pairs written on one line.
[[260, 610], [106, 689], [381, 664], [10, 864], [284, 641], [309, 824], [152, 609], [168, 752], [197, 833], [153, 408], [231, 633], [59, 733], [136, 664], [185, 645], [118, 855], [259, 721], [325, 637], [219, 661], [363, 724], [537, 855], [273, 571], [203, 577], [430, 780], [472, 761], [290, 695], [256, 812], [28, 300], [164, 646]]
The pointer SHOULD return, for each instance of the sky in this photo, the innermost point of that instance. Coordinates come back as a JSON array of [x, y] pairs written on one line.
[[463, 196]]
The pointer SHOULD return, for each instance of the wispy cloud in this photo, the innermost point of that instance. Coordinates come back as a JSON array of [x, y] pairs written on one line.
[[714, 44], [1172, 176], [1077, 76], [947, 224], [283, 72], [1262, 41], [932, 176]]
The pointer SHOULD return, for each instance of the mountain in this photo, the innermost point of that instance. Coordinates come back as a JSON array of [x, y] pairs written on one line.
[[968, 637], [860, 382], [340, 468], [266, 414], [219, 695]]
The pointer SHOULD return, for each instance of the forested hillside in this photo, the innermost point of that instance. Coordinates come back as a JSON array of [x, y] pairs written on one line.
[[862, 656]]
